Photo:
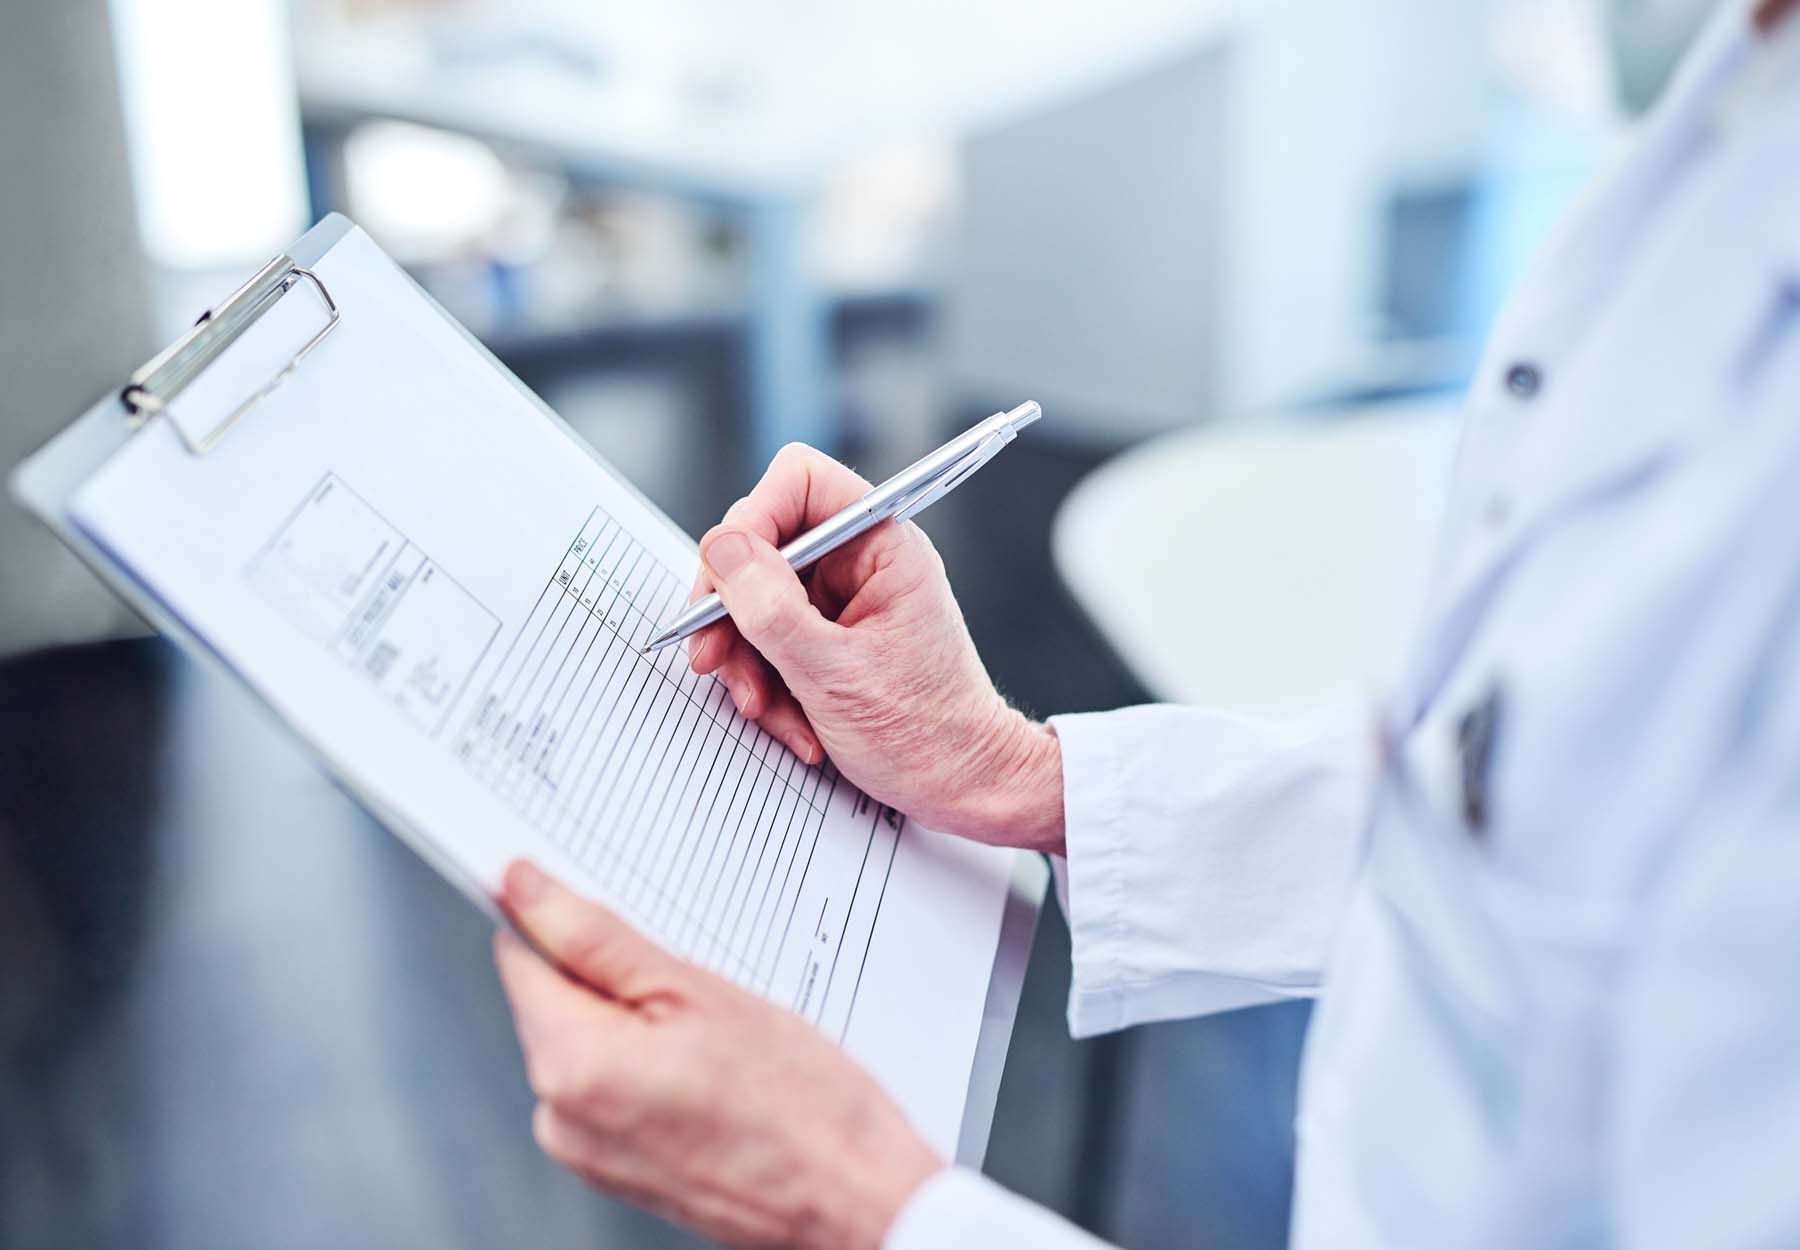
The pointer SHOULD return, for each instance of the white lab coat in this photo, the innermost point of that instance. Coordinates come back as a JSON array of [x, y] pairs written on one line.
[[1548, 893]]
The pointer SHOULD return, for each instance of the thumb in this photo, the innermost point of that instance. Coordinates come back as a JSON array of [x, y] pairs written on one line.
[[767, 603], [586, 939]]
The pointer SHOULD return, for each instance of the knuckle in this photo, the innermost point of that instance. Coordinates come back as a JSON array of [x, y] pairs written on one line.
[[589, 950], [546, 1131], [612, 1112], [735, 515], [572, 1082], [550, 1076], [796, 453]]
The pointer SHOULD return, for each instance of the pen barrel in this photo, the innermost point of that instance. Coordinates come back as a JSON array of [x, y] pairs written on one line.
[[698, 617], [830, 534], [879, 504]]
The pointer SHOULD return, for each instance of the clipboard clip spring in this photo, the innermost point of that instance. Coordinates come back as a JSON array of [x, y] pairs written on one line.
[[152, 388]]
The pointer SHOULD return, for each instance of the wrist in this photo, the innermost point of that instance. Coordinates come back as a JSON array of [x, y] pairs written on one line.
[[859, 1188], [874, 1206], [1017, 798]]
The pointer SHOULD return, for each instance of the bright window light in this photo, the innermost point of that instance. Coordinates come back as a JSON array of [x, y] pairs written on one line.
[[213, 128], [423, 193]]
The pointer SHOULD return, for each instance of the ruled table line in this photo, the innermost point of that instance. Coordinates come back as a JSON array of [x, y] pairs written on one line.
[[701, 826]]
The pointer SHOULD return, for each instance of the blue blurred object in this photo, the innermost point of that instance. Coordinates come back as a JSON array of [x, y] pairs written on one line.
[[526, 49]]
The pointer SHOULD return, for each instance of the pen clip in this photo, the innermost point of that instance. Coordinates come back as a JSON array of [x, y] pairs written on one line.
[[953, 476]]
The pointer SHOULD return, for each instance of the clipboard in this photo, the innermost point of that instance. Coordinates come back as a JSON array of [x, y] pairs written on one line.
[[46, 482]]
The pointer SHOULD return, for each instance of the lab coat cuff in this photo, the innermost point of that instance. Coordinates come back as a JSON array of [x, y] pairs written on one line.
[[1091, 880], [1167, 923], [958, 1208]]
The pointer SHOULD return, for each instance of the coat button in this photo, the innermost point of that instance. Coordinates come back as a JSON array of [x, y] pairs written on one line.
[[1476, 730], [1524, 380]]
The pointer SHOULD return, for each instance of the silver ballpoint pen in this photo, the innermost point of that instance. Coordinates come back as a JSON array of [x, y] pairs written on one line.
[[906, 494]]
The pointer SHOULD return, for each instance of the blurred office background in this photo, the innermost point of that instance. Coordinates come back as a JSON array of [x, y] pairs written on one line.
[[1251, 246]]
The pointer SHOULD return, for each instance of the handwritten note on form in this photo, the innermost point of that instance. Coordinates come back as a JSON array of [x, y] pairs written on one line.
[[447, 596]]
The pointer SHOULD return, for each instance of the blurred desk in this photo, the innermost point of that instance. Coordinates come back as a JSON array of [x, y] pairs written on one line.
[[595, 134], [748, 108], [1264, 568]]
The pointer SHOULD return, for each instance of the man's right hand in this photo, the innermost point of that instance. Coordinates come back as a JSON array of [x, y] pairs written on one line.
[[867, 659]]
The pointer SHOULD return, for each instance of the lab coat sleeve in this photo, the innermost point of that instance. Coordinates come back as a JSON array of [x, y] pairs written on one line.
[[1210, 856], [962, 1210], [1707, 1130]]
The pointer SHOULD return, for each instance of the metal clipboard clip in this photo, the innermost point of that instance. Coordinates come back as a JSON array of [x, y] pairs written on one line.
[[152, 388]]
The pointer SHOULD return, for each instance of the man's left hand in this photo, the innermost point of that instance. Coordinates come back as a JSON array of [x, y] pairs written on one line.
[[665, 1085]]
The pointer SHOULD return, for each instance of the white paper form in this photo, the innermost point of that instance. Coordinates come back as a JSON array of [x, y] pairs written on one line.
[[446, 596]]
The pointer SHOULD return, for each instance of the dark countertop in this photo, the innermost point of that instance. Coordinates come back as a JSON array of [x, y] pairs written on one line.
[[237, 1012]]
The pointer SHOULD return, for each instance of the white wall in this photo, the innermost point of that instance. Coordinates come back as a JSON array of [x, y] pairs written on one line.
[[1335, 103], [1086, 275], [74, 316], [1210, 238]]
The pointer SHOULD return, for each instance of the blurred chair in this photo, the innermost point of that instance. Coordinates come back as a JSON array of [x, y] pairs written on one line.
[[1264, 568]]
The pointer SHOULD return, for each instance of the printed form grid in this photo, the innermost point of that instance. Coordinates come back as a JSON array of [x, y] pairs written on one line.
[[701, 824]]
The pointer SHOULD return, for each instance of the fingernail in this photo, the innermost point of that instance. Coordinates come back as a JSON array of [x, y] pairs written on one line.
[[524, 883], [740, 694], [727, 553]]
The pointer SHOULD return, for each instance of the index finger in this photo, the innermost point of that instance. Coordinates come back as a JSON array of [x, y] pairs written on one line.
[[801, 487], [566, 1031], [546, 1004], [591, 942]]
